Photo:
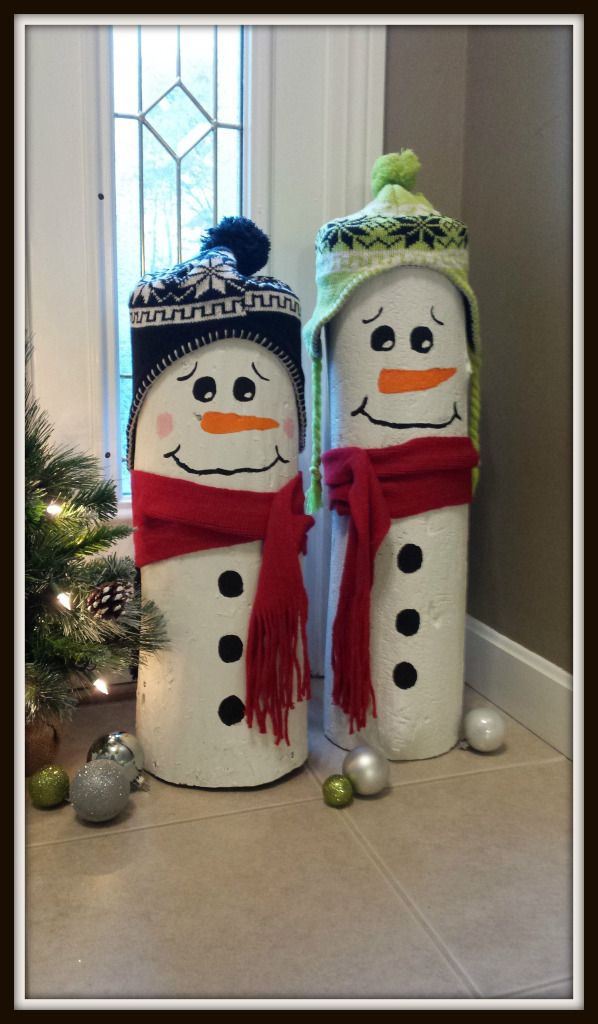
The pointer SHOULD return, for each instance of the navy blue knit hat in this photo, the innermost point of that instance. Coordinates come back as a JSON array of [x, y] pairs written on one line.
[[210, 298]]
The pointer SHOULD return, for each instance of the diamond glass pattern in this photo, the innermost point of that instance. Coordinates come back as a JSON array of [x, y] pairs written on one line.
[[178, 121]]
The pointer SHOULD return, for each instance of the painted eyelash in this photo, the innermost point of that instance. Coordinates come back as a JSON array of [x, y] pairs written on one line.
[[187, 375], [372, 318], [255, 370]]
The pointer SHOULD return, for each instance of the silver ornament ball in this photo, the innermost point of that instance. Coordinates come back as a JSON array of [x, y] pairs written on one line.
[[121, 747], [367, 769], [100, 790], [484, 729]]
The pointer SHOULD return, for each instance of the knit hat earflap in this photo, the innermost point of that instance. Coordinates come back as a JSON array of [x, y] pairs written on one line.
[[399, 228]]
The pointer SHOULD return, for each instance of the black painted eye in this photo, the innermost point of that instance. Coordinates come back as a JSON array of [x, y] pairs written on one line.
[[204, 389], [244, 389], [383, 338], [421, 339]]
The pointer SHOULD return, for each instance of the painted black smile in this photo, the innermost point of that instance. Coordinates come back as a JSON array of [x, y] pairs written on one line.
[[361, 411], [224, 472]]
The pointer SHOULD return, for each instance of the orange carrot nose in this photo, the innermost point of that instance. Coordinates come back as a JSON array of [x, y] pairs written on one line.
[[232, 423], [391, 382]]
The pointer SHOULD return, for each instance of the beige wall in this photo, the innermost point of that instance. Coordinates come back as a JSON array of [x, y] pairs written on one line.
[[425, 106], [488, 110]]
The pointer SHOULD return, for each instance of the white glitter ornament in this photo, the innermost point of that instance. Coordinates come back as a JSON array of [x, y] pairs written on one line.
[[100, 790], [484, 729], [367, 769]]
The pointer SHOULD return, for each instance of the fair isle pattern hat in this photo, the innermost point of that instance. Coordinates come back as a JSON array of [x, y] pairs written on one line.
[[210, 298], [399, 228]]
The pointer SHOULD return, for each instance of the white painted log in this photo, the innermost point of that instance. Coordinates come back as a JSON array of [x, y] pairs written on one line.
[[422, 720], [181, 689]]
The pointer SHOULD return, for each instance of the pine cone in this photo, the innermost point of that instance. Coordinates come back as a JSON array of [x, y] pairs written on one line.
[[109, 600]]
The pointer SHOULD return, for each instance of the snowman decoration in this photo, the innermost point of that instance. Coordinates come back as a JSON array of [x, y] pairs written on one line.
[[401, 328], [215, 430]]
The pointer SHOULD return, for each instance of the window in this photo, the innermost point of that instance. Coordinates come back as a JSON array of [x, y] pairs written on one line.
[[178, 145]]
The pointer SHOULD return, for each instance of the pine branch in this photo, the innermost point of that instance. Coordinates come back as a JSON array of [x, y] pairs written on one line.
[[143, 625], [99, 500], [56, 556], [48, 694], [152, 630], [99, 538], [57, 470], [63, 553], [95, 571]]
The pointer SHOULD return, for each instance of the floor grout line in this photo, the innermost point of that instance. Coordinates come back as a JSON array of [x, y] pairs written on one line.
[[375, 858], [166, 824], [475, 771], [478, 771], [437, 940], [286, 803]]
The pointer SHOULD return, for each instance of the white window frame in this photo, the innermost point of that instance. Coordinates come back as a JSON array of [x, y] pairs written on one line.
[[314, 113]]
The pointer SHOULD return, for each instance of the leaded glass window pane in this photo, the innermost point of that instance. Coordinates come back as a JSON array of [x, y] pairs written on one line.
[[178, 139]]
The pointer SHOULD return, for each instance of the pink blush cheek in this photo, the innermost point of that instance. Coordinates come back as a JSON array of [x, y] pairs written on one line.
[[289, 427], [164, 424]]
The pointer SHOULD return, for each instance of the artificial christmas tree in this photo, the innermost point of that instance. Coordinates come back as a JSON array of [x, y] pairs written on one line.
[[68, 513]]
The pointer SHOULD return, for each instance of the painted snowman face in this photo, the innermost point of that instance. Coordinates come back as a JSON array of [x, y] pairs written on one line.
[[398, 361], [224, 416]]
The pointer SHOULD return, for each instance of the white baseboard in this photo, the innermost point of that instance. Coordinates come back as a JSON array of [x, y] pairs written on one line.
[[531, 689]]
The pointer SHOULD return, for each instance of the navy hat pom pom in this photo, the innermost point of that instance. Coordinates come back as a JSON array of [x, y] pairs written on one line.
[[248, 244]]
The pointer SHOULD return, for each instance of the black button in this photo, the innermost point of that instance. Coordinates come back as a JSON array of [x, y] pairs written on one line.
[[230, 584], [231, 710], [410, 558], [404, 675], [408, 621], [230, 647]]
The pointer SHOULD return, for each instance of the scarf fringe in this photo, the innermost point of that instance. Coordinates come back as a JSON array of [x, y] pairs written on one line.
[[353, 689], [275, 644]]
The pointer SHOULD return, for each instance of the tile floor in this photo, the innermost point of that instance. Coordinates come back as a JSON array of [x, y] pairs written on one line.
[[455, 883]]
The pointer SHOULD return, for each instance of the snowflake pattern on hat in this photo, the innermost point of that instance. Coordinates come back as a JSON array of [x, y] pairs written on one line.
[[367, 232]]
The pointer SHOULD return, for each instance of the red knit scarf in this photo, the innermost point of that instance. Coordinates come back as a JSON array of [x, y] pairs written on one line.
[[374, 486], [174, 517]]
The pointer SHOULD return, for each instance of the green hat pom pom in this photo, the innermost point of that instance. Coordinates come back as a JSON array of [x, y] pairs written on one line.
[[395, 169]]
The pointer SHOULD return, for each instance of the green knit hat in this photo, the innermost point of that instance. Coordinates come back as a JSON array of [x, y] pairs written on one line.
[[399, 228]]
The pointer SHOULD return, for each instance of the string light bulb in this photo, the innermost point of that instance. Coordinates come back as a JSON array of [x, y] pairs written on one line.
[[65, 600], [54, 508], [101, 685]]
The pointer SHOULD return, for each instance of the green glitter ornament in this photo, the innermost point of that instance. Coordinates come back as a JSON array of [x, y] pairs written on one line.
[[337, 791], [49, 786]]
